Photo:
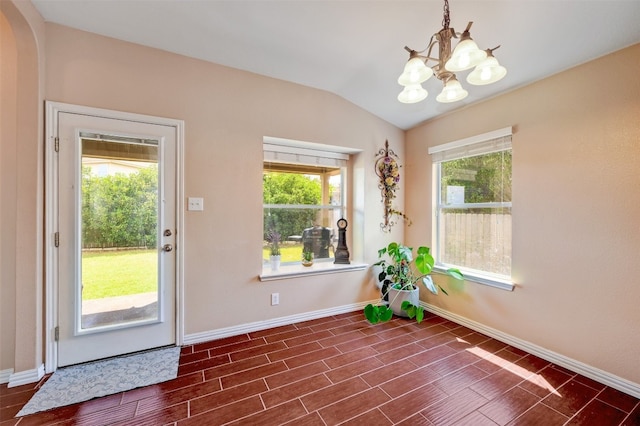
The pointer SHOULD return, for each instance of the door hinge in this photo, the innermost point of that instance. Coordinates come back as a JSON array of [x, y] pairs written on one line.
[[56, 333], [56, 144], [56, 239]]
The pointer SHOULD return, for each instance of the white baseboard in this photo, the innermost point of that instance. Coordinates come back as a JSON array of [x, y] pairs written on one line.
[[26, 377], [596, 374], [4, 375], [206, 336]]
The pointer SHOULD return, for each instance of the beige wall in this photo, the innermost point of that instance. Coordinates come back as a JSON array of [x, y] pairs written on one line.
[[21, 183], [227, 112], [8, 75], [576, 210]]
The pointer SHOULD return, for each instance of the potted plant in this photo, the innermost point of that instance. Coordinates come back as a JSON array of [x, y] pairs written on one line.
[[400, 273], [273, 238], [307, 257]]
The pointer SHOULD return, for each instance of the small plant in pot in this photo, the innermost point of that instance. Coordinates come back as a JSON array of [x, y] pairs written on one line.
[[400, 274], [307, 257]]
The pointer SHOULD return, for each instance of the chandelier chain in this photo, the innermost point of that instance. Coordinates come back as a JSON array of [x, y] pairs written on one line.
[[445, 18]]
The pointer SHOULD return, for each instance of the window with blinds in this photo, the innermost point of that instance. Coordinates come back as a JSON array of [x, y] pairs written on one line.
[[303, 198], [473, 205]]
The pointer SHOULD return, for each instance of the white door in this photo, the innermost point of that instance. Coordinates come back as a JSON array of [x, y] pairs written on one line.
[[116, 214]]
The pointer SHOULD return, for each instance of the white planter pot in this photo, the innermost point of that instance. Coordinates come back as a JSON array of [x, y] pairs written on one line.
[[275, 262], [396, 297]]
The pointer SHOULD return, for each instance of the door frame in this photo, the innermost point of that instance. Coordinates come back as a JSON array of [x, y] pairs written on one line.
[[52, 109]]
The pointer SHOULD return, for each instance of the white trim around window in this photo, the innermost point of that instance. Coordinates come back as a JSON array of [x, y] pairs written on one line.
[[486, 143], [497, 140]]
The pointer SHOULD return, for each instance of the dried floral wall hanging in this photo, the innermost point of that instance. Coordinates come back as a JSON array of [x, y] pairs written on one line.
[[388, 170]]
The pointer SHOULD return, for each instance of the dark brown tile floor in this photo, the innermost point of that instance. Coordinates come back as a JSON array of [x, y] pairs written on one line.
[[342, 370]]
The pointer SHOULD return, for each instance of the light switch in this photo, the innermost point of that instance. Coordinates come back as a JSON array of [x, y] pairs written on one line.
[[195, 204]]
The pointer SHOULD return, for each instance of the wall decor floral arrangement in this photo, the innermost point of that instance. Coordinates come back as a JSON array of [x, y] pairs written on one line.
[[388, 170]]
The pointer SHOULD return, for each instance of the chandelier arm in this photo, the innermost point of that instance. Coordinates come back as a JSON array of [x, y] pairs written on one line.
[[418, 52], [430, 47], [425, 58]]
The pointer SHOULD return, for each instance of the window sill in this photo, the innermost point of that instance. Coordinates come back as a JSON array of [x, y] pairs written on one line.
[[481, 279], [318, 268]]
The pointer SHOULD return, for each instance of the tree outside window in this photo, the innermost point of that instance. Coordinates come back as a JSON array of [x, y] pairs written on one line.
[[297, 198]]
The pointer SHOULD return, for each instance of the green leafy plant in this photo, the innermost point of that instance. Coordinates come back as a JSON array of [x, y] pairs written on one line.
[[377, 313], [402, 271], [413, 311], [307, 255]]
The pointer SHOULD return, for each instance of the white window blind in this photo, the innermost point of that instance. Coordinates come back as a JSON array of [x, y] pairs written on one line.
[[296, 155], [498, 140]]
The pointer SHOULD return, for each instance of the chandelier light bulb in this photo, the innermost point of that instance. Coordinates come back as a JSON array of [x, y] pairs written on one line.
[[487, 72], [466, 55], [412, 93], [452, 91], [464, 60], [415, 72]]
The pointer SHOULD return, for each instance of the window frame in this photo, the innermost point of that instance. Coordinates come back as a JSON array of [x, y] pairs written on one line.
[[312, 170], [487, 143], [289, 151]]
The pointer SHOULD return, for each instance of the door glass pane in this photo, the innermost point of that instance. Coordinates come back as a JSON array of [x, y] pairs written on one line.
[[119, 231]]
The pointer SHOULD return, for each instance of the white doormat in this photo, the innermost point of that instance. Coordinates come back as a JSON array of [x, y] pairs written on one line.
[[70, 385]]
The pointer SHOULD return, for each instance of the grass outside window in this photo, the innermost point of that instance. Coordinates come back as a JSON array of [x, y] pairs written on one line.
[[118, 273], [288, 252]]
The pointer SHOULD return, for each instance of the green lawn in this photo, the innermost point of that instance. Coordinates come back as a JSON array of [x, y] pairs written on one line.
[[118, 273], [288, 253]]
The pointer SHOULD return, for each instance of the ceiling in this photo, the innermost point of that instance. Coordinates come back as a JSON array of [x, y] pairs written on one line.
[[355, 48]]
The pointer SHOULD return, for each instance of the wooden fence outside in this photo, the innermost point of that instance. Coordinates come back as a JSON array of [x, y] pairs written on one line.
[[477, 241]]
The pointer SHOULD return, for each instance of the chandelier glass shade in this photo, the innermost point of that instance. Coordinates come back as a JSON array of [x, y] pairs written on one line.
[[412, 93], [487, 72], [452, 91], [415, 72], [465, 56]]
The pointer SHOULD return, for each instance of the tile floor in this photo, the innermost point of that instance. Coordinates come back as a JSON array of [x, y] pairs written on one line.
[[342, 370]]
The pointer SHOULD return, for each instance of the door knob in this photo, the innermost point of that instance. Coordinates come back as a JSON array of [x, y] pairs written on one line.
[[167, 247]]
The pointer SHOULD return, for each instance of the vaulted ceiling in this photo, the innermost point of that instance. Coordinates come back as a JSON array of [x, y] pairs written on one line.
[[355, 48]]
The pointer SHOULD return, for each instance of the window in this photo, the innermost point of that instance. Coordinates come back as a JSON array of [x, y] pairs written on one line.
[[303, 198], [473, 206]]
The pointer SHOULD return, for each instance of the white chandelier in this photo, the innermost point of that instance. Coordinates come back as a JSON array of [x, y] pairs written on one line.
[[466, 55]]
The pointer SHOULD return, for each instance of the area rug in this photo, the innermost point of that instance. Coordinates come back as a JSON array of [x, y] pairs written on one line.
[[70, 385]]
